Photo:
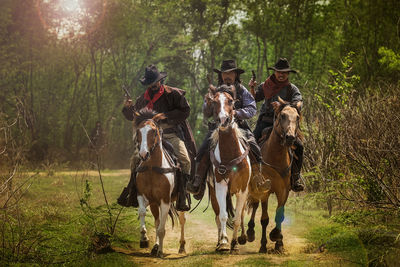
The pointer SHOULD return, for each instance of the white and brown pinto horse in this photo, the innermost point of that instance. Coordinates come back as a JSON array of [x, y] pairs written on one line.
[[231, 168], [278, 158], [155, 180]]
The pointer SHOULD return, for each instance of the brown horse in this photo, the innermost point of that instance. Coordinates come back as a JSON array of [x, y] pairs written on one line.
[[155, 180], [278, 157], [231, 169]]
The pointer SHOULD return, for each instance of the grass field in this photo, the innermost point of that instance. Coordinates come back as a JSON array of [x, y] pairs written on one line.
[[62, 230]]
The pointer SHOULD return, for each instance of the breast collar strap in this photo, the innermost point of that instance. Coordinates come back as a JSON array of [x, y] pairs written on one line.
[[224, 168]]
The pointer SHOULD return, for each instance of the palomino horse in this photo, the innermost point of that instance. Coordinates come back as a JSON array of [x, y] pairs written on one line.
[[155, 180], [278, 157], [231, 168]]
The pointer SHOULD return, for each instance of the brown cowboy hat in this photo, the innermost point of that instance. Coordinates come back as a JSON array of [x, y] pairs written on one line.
[[229, 65], [152, 75], [282, 65]]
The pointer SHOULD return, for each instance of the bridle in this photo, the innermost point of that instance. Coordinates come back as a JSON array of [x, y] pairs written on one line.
[[158, 169], [280, 134], [230, 120], [157, 138]]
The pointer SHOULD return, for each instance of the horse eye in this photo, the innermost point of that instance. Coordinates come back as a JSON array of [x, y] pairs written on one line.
[[283, 117], [230, 101]]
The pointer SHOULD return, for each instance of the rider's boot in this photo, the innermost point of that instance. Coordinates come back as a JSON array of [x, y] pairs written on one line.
[[261, 182], [182, 203], [128, 197], [297, 185], [296, 179], [196, 186]]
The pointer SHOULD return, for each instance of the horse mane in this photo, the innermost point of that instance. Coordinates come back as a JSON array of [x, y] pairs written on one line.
[[144, 114], [226, 89], [239, 133]]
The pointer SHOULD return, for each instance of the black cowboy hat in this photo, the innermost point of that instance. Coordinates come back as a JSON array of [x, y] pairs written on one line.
[[152, 75], [229, 65], [282, 65]]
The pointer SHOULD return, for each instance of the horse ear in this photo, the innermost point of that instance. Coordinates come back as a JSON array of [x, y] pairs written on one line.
[[276, 106], [283, 102], [159, 117], [298, 105], [212, 89]]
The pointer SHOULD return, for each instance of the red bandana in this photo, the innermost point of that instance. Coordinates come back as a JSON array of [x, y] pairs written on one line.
[[155, 97], [272, 87]]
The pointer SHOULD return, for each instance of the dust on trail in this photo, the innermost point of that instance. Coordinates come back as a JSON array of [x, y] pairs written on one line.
[[201, 238]]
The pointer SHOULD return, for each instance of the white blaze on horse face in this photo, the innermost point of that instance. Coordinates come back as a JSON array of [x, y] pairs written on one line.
[[223, 116], [290, 123], [143, 145]]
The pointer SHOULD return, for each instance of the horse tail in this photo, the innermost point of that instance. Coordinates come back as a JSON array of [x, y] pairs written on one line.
[[249, 205], [173, 214], [230, 210]]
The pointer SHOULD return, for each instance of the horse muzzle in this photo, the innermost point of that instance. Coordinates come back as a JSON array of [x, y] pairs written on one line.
[[224, 121], [289, 139]]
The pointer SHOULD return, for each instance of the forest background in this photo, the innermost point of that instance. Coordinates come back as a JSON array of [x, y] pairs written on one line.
[[63, 66]]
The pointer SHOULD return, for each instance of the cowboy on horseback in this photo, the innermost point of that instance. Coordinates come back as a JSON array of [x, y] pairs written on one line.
[[278, 85], [176, 131], [244, 108]]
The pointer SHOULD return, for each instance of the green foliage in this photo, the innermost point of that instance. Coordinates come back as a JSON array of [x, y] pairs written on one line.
[[389, 58]]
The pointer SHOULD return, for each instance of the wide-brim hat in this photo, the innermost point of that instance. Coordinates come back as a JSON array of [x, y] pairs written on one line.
[[229, 65], [152, 75], [282, 65]]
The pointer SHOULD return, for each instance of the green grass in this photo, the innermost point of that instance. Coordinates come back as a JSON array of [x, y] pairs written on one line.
[[51, 212]]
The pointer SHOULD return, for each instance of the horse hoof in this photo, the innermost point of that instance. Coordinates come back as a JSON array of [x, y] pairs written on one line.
[[144, 243], [250, 235], [160, 254], [182, 250], [279, 247], [235, 251], [242, 239], [223, 247], [275, 235], [263, 249], [154, 251]]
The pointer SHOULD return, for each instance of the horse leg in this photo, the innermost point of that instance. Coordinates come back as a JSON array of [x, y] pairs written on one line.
[[264, 223], [182, 221], [164, 209], [250, 230], [155, 210], [242, 239], [221, 189], [144, 240], [214, 204], [276, 233], [240, 201]]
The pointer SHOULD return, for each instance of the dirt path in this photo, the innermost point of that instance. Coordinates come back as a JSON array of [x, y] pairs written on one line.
[[201, 238]]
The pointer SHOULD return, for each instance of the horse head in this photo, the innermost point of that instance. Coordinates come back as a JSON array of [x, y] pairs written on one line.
[[148, 133], [287, 120], [221, 100]]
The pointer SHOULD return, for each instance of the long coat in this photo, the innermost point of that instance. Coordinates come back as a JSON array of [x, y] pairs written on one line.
[[176, 108]]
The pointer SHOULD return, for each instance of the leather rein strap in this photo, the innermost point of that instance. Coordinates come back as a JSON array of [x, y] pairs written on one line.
[[285, 171]]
